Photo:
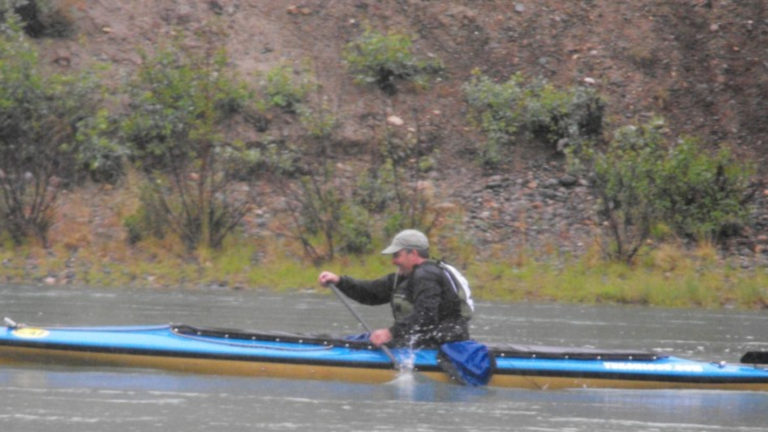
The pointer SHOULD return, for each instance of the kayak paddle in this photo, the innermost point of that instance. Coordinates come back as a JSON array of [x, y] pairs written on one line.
[[367, 328]]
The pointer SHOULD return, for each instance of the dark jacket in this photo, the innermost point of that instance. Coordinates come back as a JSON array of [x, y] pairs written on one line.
[[427, 311]]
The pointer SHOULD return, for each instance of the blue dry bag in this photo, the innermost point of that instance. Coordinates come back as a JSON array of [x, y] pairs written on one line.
[[468, 362]]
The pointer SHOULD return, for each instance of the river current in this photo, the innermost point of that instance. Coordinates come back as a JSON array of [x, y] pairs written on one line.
[[66, 399]]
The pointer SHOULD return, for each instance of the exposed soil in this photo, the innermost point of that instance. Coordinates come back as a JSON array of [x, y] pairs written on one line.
[[702, 64]]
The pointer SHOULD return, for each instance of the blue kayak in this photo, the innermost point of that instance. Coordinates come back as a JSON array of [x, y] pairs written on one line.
[[235, 352]]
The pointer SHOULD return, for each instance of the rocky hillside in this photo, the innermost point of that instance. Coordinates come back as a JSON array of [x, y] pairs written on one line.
[[702, 64]]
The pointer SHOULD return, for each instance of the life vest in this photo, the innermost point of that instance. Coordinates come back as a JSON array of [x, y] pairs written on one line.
[[401, 306]]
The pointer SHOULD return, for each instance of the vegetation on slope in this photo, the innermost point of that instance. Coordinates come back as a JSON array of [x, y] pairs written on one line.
[[195, 154]]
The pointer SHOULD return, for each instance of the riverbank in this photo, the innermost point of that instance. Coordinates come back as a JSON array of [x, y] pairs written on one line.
[[668, 276], [521, 238]]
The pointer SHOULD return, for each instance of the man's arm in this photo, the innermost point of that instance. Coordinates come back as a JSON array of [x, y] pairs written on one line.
[[368, 292]]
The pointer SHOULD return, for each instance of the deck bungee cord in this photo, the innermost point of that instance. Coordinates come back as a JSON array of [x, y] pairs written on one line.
[[209, 339]]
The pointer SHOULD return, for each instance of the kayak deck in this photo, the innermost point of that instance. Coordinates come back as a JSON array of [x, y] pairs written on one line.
[[235, 352]]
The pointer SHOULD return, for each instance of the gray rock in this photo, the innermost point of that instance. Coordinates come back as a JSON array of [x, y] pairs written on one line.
[[568, 180]]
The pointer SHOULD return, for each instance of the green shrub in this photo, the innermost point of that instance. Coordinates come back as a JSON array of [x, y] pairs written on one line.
[[101, 157], [513, 110], [644, 182], [132, 225], [393, 223], [375, 189], [44, 133], [354, 229], [284, 90], [703, 194], [624, 180], [566, 118], [185, 104], [319, 122], [497, 110], [150, 219], [384, 60], [263, 158]]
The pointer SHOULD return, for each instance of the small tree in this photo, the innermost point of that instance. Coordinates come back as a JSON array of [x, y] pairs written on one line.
[[314, 208], [184, 107], [625, 181], [318, 206], [318, 212], [45, 131]]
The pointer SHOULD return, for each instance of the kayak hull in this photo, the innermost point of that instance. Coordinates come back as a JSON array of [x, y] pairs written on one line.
[[227, 352], [197, 365]]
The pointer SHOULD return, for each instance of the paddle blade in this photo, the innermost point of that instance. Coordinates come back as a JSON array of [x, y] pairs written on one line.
[[755, 357]]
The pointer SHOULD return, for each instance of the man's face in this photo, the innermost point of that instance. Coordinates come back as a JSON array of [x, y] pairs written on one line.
[[405, 260]]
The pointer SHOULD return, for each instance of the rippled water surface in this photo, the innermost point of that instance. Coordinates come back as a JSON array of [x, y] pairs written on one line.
[[70, 399]]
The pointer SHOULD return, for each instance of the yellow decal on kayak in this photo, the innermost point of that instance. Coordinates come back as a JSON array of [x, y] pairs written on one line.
[[31, 333]]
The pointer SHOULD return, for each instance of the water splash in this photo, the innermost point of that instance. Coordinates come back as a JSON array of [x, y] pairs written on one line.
[[410, 384]]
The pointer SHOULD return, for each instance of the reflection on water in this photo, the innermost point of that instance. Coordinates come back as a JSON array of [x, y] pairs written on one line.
[[64, 399]]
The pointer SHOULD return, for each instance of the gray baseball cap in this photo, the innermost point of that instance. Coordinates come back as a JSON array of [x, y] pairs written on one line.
[[407, 239]]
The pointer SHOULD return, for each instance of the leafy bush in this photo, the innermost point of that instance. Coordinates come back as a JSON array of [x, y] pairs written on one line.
[[183, 107], [354, 229], [625, 181], [703, 195], [44, 129], [375, 189], [264, 158], [150, 219], [101, 157], [284, 90], [512, 110], [642, 181], [497, 110], [386, 59], [133, 226], [319, 122]]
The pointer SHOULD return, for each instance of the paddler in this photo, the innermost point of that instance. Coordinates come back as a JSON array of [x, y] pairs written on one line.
[[427, 306]]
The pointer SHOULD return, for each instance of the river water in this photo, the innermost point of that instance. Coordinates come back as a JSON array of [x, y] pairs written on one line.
[[70, 399]]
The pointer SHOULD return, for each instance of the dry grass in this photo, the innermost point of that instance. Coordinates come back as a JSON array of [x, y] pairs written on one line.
[[668, 276]]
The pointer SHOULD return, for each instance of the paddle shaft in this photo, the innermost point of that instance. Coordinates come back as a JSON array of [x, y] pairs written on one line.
[[367, 328]]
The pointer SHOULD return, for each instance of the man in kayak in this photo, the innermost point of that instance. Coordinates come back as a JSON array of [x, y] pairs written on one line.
[[427, 308]]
